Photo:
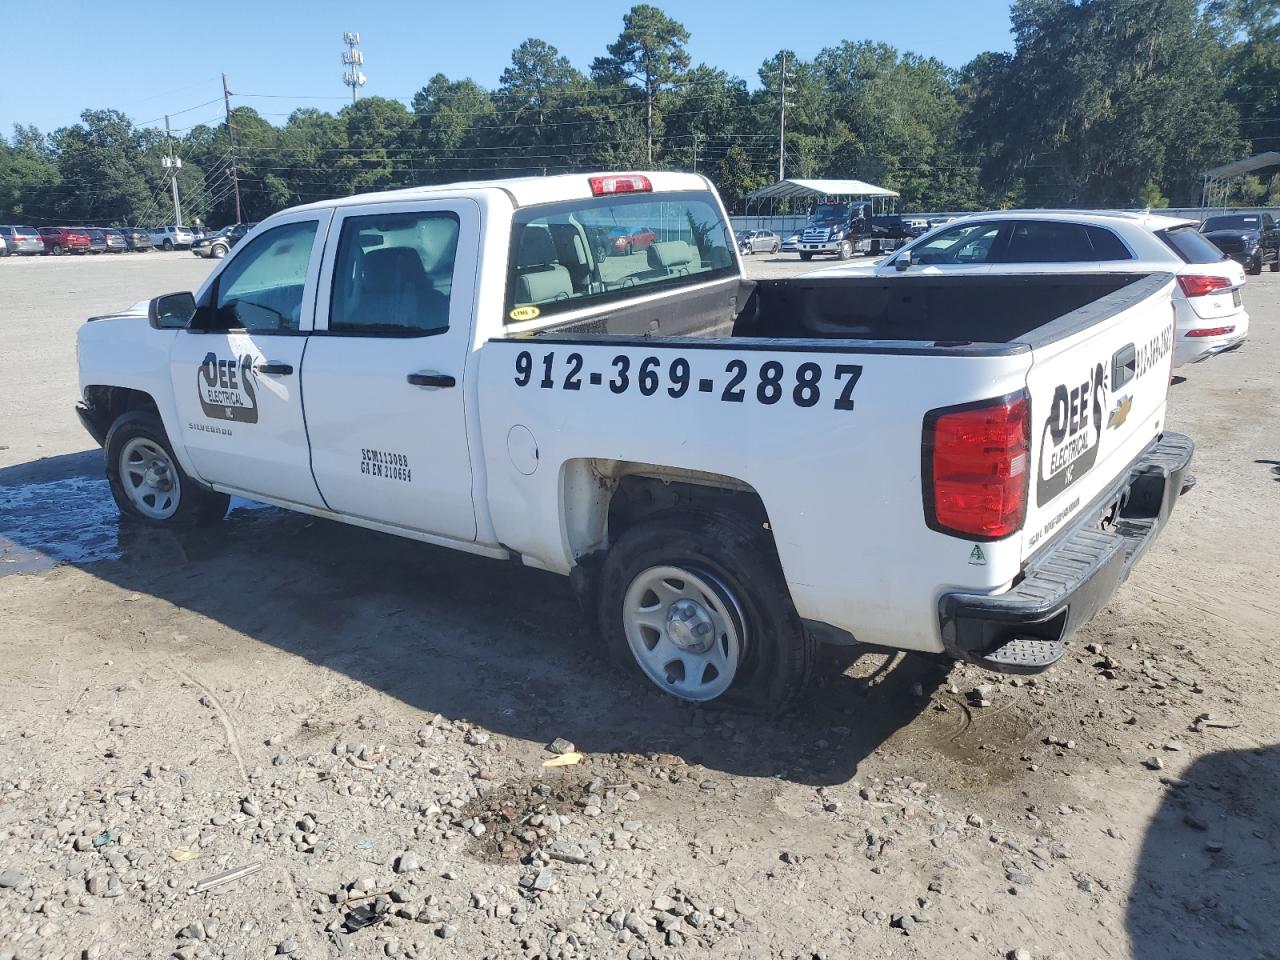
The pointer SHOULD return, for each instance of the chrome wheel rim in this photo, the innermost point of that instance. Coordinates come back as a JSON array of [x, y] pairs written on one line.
[[684, 628], [150, 478]]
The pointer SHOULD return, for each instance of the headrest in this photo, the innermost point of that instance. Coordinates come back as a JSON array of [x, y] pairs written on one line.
[[392, 267], [537, 249], [673, 253]]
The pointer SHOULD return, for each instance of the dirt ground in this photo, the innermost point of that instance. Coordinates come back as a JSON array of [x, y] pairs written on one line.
[[368, 719]]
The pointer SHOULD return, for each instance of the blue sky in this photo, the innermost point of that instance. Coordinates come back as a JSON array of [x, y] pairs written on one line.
[[152, 59]]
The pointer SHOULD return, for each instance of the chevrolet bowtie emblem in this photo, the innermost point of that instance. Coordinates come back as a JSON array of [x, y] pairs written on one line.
[[1120, 412]]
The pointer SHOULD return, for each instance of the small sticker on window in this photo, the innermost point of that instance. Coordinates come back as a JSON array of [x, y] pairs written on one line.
[[524, 313]]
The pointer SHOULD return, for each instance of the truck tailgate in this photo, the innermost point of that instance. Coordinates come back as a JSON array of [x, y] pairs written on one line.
[[1097, 401]]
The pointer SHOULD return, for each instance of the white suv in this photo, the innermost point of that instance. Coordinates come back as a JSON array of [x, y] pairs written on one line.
[[172, 238]]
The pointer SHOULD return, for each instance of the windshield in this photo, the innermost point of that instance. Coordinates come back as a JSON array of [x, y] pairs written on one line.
[[1237, 222], [830, 213]]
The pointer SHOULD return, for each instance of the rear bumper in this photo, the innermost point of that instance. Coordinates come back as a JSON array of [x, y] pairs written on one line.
[[1025, 629]]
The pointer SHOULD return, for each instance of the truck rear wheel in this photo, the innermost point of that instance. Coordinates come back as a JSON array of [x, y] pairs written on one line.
[[698, 604], [148, 483]]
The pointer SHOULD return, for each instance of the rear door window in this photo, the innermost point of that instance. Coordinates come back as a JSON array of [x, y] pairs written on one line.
[[394, 274], [1046, 241], [1188, 244], [570, 255]]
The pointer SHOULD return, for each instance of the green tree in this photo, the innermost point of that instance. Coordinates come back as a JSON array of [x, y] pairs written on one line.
[[28, 174], [651, 51], [1100, 97]]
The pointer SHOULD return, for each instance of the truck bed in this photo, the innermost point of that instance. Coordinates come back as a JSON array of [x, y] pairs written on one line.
[[944, 312]]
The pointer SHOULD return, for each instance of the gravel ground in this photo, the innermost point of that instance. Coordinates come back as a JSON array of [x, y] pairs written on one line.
[[369, 721]]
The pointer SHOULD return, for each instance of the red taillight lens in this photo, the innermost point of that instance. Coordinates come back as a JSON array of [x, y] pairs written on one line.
[[976, 458], [1199, 286], [1211, 332], [627, 183]]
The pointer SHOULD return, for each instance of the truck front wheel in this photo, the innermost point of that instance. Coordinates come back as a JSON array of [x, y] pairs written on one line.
[[148, 483], [806, 256], [845, 251], [698, 603]]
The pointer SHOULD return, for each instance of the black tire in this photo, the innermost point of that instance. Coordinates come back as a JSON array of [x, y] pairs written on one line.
[[806, 256], [1255, 267], [168, 245], [1275, 265], [775, 248], [196, 505], [56, 249], [217, 251], [778, 654], [846, 250]]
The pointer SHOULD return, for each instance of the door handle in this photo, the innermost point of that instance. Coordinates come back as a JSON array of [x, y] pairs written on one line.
[[272, 368], [429, 379], [1124, 366]]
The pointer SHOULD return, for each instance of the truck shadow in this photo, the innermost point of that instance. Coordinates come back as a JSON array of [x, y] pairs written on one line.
[[1206, 877], [495, 643]]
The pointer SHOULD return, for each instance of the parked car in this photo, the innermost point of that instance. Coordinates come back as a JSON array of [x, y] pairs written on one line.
[[730, 474], [1211, 318], [24, 241], [1250, 239], [758, 241], [116, 243], [60, 240], [218, 245], [4, 247], [137, 238], [172, 238], [97, 239], [792, 243], [626, 240]]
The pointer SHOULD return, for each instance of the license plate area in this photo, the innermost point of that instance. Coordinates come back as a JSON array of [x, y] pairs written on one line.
[[1235, 297]]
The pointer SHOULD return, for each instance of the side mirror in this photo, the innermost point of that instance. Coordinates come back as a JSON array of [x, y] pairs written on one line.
[[903, 261], [173, 311]]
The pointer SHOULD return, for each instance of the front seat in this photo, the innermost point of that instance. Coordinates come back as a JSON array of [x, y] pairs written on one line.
[[395, 291]]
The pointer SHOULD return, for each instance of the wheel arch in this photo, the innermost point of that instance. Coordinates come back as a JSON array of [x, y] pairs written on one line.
[[601, 498]]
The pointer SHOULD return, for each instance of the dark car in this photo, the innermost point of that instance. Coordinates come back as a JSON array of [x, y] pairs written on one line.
[[1250, 239], [629, 239], [136, 238], [217, 245], [60, 240], [116, 243], [97, 239]]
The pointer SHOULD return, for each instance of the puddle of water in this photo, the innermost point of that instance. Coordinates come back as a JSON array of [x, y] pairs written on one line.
[[72, 520]]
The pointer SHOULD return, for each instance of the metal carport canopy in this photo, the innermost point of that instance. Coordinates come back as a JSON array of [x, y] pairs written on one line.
[[787, 189], [1240, 167]]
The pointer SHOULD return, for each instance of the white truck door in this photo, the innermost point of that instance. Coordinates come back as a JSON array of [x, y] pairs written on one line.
[[236, 381], [383, 372]]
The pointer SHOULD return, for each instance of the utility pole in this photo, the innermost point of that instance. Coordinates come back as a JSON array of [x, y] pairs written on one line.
[[231, 135], [354, 59], [782, 124], [695, 151], [173, 165]]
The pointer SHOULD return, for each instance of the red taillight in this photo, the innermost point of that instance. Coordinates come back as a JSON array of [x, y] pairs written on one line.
[[1199, 286], [627, 183], [1211, 332], [976, 468]]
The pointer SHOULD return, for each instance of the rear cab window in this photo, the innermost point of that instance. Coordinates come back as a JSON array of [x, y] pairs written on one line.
[[1187, 242], [571, 255]]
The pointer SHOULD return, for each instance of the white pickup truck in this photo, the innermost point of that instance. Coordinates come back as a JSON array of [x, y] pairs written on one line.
[[730, 473]]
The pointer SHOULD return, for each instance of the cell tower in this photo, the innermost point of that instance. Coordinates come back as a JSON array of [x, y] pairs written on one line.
[[353, 57]]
